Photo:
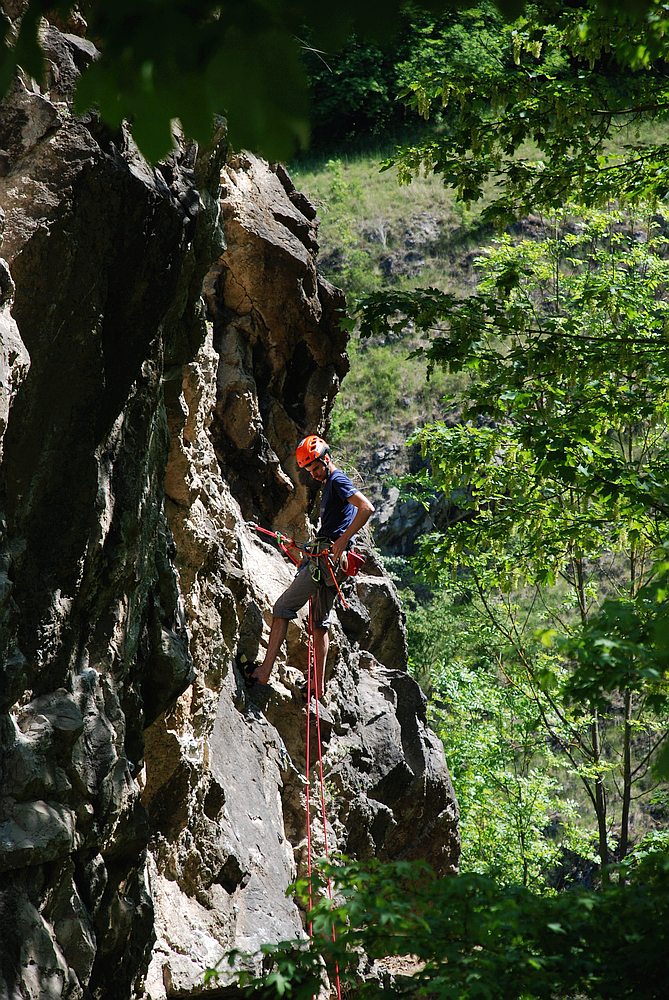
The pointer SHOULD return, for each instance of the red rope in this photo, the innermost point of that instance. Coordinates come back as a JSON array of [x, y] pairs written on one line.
[[334, 580], [285, 544], [312, 666], [311, 658]]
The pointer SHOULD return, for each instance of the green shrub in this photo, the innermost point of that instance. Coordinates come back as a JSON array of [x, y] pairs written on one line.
[[465, 938]]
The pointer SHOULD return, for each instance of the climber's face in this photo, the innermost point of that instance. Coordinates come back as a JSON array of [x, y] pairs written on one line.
[[319, 469]]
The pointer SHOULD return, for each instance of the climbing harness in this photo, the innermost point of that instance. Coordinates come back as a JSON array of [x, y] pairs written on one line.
[[313, 684], [323, 569], [322, 557]]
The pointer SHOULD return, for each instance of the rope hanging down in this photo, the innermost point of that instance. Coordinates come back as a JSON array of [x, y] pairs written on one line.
[[313, 683], [312, 677]]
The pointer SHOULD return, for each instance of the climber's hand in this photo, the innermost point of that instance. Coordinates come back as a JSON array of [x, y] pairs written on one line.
[[338, 547]]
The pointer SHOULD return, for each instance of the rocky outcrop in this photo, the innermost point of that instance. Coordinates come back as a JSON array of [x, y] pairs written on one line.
[[151, 811], [276, 328]]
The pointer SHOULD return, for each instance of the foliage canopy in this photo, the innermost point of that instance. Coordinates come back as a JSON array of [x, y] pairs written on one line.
[[556, 117], [194, 60]]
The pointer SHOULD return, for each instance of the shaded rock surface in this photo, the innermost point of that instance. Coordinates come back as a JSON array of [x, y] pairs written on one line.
[[151, 809]]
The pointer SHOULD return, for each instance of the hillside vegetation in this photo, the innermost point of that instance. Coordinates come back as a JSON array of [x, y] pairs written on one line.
[[376, 234]]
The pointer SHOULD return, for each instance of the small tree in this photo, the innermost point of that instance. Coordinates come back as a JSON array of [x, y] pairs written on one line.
[[515, 819]]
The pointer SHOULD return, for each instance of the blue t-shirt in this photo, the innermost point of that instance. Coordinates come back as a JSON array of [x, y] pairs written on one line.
[[336, 511]]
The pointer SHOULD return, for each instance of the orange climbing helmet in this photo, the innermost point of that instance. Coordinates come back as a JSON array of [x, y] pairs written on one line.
[[309, 449]]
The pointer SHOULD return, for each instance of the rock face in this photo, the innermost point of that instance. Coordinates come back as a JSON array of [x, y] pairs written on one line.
[[151, 812]]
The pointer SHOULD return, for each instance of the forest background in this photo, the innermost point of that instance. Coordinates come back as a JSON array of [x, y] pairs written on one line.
[[523, 268]]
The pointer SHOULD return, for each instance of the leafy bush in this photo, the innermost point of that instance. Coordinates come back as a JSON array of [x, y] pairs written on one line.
[[466, 937], [351, 93], [356, 91]]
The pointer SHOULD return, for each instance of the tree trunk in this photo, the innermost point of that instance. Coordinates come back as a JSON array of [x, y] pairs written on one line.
[[600, 799], [627, 777]]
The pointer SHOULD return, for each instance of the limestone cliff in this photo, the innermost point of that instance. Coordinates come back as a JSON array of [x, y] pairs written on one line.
[[165, 341]]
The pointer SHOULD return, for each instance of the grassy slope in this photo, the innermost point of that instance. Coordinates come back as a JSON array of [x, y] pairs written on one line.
[[375, 234]]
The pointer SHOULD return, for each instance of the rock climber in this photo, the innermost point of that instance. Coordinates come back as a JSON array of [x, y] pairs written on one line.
[[343, 512]]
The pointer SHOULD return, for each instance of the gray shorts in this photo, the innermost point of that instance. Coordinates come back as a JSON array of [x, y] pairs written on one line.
[[301, 589]]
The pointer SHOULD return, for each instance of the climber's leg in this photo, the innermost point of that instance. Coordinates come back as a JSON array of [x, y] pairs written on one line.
[[285, 610]]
